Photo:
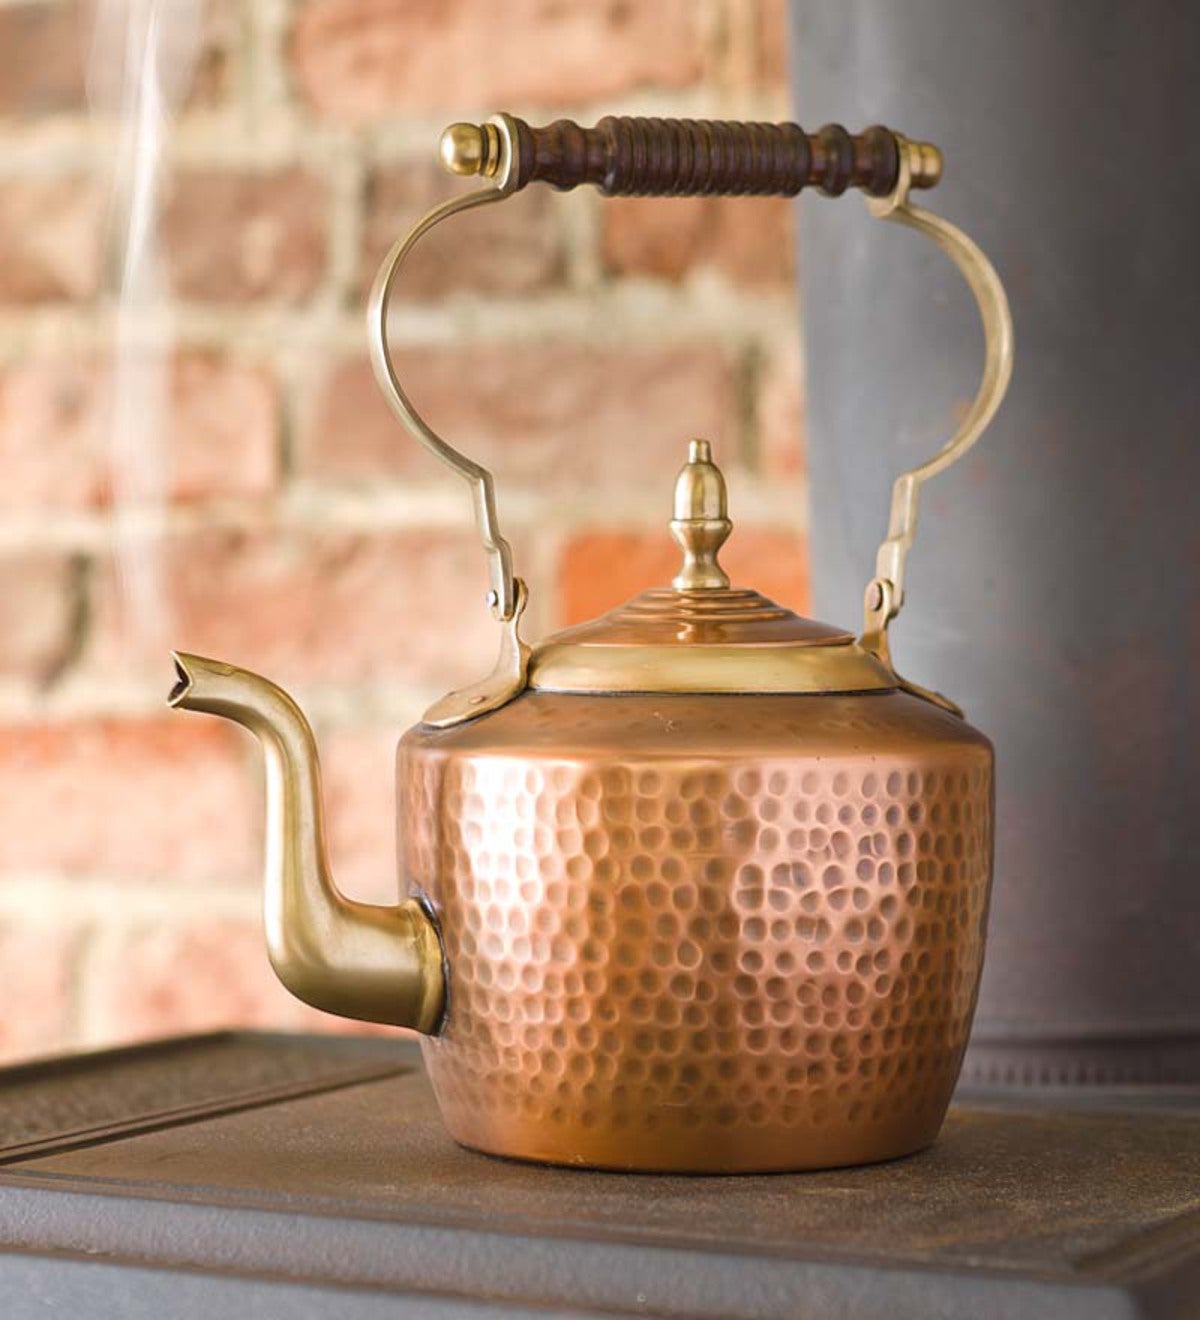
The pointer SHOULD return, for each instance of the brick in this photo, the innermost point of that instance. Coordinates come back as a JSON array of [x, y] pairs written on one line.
[[37, 953], [513, 248], [771, 42], [211, 79], [139, 798], [237, 236], [224, 428], [41, 60], [45, 46], [757, 46], [200, 975], [601, 569], [51, 238], [39, 606], [221, 429], [567, 416], [321, 606], [782, 424], [51, 434], [360, 808], [773, 561], [359, 60], [749, 240]]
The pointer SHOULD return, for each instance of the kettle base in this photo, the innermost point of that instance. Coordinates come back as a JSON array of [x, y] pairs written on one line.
[[761, 1151]]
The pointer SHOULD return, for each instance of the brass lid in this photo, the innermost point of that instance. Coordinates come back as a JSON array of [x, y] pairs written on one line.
[[701, 634]]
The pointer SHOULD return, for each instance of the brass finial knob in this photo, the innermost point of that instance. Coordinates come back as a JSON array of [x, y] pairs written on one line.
[[700, 524], [470, 149], [926, 163]]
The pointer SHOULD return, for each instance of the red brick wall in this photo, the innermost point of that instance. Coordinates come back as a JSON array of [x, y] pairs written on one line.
[[304, 533]]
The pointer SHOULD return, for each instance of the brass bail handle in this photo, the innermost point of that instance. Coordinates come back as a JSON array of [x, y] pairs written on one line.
[[503, 595], [627, 156], [884, 595]]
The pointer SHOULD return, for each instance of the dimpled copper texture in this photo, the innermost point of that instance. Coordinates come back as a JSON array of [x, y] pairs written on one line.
[[701, 933]]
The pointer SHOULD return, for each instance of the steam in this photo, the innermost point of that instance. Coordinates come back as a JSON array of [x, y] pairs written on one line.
[[141, 66]]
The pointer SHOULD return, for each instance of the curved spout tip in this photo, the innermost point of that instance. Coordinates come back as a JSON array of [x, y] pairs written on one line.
[[183, 680], [216, 688]]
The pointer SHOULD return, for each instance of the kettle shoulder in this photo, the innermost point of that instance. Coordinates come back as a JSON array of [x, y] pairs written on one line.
[[546, 724]]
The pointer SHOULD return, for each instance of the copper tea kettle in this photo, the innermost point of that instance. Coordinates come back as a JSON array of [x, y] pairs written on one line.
[[700, 885]]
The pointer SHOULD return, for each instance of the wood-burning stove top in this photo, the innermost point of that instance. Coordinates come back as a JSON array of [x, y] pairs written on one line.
[[290, 1176]]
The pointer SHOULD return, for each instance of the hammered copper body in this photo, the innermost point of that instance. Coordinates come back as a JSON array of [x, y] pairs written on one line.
[[701, 933]]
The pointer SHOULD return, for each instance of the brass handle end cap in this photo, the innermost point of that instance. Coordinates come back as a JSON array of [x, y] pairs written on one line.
[[471, 149]]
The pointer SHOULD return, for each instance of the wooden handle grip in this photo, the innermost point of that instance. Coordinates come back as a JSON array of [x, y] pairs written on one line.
[[625, 156]]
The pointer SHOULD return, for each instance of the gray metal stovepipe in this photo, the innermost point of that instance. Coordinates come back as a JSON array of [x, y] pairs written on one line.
[[1055, 588]]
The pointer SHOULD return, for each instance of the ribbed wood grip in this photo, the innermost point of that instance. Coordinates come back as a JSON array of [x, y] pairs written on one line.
[[626, 156]]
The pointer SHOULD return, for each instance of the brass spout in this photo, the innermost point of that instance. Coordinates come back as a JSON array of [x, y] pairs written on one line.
[[376, 964]]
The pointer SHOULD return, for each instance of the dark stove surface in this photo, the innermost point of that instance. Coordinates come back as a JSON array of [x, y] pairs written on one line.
[[297, 1176]]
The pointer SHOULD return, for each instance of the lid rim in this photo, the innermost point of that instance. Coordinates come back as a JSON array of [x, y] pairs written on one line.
[[715, 670]]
